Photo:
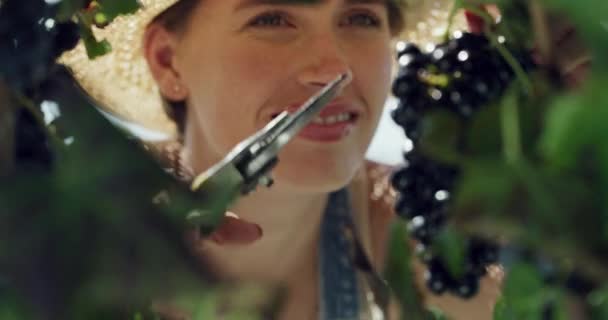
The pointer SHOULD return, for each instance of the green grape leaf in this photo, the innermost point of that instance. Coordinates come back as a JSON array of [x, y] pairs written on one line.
[[97, 48], [487, 184], [567, 131], [502, 311], [94, 47], [483, 138], [523, 286], [441, 136], [598, 301], [114, 8], [399, 273], [436, 314], [522, 280], [68, 8]]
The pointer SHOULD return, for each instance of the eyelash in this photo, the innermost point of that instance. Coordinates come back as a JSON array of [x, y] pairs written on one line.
[[280, 19], [370, 20], [269, 20]]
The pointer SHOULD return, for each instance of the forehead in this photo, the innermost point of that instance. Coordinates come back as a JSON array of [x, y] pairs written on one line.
[[246, 3]]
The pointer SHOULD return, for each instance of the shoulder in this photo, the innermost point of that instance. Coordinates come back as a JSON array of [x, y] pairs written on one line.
[[381, 198]]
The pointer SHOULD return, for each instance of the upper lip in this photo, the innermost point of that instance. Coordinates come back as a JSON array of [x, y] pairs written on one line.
[[335, 107]]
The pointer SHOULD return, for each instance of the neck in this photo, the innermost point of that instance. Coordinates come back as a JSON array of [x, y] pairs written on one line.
[[289, 220], [290, 225]]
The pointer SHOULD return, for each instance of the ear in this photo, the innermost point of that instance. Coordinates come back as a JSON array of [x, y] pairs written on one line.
[[159, 49]]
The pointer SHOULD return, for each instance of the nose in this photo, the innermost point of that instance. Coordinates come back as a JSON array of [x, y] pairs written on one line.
[[324, 60]]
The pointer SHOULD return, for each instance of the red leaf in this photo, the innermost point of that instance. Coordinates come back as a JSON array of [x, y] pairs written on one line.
[[476, 23]]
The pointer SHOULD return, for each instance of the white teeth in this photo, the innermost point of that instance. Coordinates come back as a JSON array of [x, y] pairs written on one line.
[[342, 117], [317, 120], [331, 119]]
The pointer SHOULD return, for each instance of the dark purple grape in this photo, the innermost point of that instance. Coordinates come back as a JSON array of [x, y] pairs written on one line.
[[407, 48], [579, 284], [468, 41], [425, 227], [448, 64], [401, 180], [490, 253], [439, 53], [418, 100], [406, 84], [406, 206], [408, 119], [436, 95], [414, 158], [68, 35], [467, 287], [437, 277], [413, 61], [478, 270], [413, 131], [405, 116]]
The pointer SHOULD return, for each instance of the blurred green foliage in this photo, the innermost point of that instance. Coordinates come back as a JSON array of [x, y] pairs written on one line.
[[535, 168], [84, 238]]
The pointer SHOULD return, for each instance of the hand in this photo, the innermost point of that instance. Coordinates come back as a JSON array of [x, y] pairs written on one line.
[[234, 230]]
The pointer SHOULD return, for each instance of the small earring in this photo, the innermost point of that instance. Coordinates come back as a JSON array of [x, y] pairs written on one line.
[[177, 88]]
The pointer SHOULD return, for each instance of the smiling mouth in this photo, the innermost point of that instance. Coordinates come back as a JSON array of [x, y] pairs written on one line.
[[329, 126], [343, 117]]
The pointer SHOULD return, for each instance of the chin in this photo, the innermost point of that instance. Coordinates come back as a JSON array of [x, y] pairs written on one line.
[[315, 176]]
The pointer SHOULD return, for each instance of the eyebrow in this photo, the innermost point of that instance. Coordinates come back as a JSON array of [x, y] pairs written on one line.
[[251, 3]]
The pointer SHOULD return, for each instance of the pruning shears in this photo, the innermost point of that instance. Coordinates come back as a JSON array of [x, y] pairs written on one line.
[[250, 162]]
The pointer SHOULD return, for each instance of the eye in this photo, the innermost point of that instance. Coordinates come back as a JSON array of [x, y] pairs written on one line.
[[363, 19], [270, 20]]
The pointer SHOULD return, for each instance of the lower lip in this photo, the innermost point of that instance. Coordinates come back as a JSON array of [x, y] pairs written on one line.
[[327, 133]]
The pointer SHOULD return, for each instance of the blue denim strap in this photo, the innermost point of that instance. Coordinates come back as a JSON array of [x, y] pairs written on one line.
[[339, 288]]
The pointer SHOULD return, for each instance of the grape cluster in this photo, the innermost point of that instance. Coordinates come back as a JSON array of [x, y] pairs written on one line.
[[424, 188], [461, 76], [480, 253], [31, 39]]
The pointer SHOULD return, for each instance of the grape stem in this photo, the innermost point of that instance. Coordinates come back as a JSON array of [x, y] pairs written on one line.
[[542, 34], [457, 6], [511, 130], [7, 131], [520, 74]]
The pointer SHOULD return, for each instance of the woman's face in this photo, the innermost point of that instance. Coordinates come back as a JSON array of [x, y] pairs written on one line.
[[244, 61]]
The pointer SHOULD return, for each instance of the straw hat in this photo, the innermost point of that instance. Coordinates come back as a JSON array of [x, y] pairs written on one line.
[[121, 84]]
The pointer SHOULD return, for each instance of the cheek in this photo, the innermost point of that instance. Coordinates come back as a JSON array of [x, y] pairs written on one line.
[[248, 75], [231, 83], [373, 76]]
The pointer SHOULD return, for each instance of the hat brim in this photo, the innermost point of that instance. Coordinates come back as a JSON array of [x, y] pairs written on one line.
[[120, 82]]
